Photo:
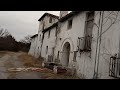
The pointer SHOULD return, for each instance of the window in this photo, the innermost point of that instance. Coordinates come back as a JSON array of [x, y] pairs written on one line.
[[70, 24], [89, 23], [56, 31], [75, 54], [50, 20], [88, 30], [49, 33], [46, 49], [43, 26], [40, 38], [58, 54]]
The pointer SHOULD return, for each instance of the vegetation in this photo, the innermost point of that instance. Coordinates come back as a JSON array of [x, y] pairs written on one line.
[[8, 42]]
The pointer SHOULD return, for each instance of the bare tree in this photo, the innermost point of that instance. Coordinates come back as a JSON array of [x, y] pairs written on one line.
[[4, 32], [27, 39], [108, 19]]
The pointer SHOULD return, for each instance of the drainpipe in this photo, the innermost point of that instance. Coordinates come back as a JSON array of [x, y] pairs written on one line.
[[97, 57]]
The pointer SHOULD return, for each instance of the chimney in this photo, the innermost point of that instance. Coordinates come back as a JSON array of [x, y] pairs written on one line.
[[63, 13]]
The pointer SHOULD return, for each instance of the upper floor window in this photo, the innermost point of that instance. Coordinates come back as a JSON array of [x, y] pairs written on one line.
[[88, 31], [43, 25], [49, 33], [89, 23], [46, 49], [56, 31], [70, 24], [50, 20], [40, 38]]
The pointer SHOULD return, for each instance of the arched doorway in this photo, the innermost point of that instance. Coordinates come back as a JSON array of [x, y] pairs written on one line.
[[66, 54]]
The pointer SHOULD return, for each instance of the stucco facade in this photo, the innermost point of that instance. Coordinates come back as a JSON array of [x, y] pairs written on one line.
[[64, 43], [33, 46]]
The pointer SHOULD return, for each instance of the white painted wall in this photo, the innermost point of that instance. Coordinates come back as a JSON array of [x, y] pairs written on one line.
[[33, 48], [50, 42], [46, 21], [109, 45], [85, 62]]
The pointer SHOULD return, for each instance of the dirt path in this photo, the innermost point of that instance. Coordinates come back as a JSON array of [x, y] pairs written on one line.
[[22, 60], [12, 60]]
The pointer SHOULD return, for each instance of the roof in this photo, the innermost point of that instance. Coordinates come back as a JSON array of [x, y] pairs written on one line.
[[54, 16], [34, 35], [62, 19]]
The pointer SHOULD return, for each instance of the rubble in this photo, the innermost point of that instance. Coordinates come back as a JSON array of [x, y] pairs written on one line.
[[49, 65], [26, 69], [64, 70]]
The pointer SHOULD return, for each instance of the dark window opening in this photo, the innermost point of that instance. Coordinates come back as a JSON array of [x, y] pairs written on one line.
[[58, 55], [88, 30], [40, 38], [50, 20], [70, 24], [89, 24], [43, 25], [75, 54], [46, 49], [56, 31], [49, 34]]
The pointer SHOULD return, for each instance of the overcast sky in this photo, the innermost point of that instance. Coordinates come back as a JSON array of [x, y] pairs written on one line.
[[22, 23]]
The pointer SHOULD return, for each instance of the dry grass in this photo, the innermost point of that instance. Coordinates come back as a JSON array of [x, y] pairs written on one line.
[[30, 61]]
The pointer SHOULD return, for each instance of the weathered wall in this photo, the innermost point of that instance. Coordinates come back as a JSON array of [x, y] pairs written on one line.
[[32, 50], [84, 63], [46, 22], [109, 42], [50, 42]]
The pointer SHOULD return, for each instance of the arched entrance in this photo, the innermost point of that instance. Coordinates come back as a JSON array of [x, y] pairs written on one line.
[[66, 54]]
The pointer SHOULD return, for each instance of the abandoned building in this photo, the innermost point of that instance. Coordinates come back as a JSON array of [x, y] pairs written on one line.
[[88, 41]]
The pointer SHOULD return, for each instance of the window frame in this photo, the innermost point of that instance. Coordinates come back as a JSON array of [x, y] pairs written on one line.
[[88, 35], [46, 49], [49, 33], [88, 20], [40, 38], [50, 20], [70, 23]]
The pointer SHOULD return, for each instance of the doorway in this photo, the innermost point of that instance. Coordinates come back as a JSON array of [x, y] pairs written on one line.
[[66, 54]]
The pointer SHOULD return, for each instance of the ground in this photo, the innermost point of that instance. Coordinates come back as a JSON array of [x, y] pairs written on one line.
[[11, 60]]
